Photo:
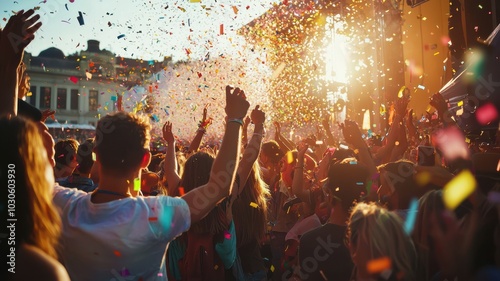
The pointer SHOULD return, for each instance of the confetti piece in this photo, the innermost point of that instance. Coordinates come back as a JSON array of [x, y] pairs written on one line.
[[195, 1], [216, 266], [460, 103], [278, 70], [153, 219], [181, 190], [423, 178], [137, 184], [73, 79], [114, 98], [93, 157], [486, 113], [235, 9], [289, 157], [221, 29], [80, 18], [160, 274], [378, 265], [319, 142], [227, 235], [421, 87], [458, 189], [117, 253], [411, 217], [254, 205], [120, 36], [272, 268]]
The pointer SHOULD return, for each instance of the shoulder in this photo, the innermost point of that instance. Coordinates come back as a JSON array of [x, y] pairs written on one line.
[[63, 195], [34, 264]]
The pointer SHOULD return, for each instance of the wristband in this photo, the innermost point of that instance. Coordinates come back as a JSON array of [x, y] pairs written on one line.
[[236, 120]]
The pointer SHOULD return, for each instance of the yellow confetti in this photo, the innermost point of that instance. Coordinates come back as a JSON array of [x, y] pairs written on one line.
[[423, 178], [235, 9], [460, 103], [272, 268], [137, 184], [289, 157], [378, 265], [254, 205], [458, 189]]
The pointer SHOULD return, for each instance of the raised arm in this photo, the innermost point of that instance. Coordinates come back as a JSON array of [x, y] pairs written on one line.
[[14, 38], [298, 178], [330, 140], [204, 198], [251, 151], [202, 129], [353, 136], [244, 136], [280, 139], [170, 162]]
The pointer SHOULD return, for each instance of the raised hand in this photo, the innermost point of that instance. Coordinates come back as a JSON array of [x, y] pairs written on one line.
[[257, 116], [236, 103], [352, 134], [401, 105], [48, 113], [17, 34], [277, 125], [168, 136], [301, 149]]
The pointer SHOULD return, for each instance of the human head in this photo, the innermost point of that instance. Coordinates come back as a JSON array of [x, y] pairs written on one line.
[[122, 143], [374, 233], [197, 170], [346, 183], [270, 153], [398, 185], [48, 142], [84, 156], [38, 222], [66, 156], [430, 205]]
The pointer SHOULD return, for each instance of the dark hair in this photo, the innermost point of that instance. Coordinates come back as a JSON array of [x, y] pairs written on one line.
[[84, 156], [401, 176], [272, 150], [65, 152], [121, 141], [347, 181], [197, 173]]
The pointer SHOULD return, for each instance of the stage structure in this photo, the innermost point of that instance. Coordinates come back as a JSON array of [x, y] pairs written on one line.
[[335, 58]]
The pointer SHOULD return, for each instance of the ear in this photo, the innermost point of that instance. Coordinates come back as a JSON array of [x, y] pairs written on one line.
[[146, 159]]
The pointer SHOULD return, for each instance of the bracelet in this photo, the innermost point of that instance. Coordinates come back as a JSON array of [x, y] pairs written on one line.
[[201, 129], [257, 134], [236, 120]]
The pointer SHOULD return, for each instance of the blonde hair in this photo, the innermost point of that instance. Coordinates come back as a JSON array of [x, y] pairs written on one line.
[[255, 191], [379, 231], [38, 222]]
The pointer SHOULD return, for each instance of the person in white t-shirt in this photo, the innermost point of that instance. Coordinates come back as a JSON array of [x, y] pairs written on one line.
[[111, 234]]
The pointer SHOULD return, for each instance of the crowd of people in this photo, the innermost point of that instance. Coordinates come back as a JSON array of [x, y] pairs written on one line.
[[422, 204]]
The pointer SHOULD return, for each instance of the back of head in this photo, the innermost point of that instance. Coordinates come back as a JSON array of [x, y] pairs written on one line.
[[272, 150], [374, 233], [84, 156], [121, 142], [24, 157], [347, 181], [65, 152], [400, 176], [197, 170]]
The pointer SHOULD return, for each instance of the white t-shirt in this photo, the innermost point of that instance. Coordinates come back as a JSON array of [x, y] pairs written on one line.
[[303, 226], [124, 239]]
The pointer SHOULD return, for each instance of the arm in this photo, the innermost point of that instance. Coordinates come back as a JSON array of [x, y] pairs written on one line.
[[244, 137], [204, 198], [384, 152], [330, 140], [298, 178], [251, 152], [202, 129], [278, 138], [16, 35], [170, 162], [353, 136]]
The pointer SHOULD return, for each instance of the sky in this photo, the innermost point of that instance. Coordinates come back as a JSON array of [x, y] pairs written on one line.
[[148, 29]]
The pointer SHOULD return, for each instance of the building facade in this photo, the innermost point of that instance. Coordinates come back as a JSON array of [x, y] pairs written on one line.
[[84, 86]]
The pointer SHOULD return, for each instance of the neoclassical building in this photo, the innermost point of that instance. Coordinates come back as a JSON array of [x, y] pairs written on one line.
[[84, 86]]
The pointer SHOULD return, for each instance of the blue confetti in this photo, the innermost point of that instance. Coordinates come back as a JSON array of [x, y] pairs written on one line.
[[121, 36], [411, 216]]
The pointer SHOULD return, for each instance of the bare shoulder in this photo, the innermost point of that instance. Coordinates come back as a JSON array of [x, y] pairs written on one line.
[[34, 264]]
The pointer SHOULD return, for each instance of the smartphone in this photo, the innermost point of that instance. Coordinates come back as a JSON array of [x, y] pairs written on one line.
[[426, 155]]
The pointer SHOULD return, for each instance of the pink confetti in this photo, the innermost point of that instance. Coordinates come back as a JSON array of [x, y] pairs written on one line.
[[486, 113], [227, 235], [73, 79]]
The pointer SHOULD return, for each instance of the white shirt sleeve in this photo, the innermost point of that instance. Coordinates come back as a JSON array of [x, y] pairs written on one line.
[[63, 195]]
